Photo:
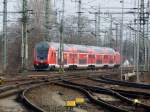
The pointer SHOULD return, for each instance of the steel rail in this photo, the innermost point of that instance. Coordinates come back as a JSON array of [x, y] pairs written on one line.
[[128, 93], [90, 96], [133, 94], [93, 99], [29, 105], [122, 83], [109, 92]]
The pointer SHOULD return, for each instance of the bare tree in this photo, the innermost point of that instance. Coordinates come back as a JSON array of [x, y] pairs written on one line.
[[37, 9], [71, 32]]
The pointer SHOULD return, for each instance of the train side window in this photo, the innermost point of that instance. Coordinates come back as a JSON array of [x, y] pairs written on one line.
[[99, 59], [111, 59], [105, 57], [91, 56], [52, 53], [65, 58], [82, 59], [71, 55]]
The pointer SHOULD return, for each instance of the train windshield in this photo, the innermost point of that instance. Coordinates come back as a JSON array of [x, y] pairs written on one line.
[[42, 51]]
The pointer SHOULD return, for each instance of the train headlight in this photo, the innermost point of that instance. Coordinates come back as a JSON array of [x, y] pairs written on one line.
[[37, 64]]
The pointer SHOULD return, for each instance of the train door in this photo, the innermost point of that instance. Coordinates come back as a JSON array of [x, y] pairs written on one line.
[[111, 59], [73, 58], [57, 57], [82, 58], [106, 59], [65, 58], [52, 56], [98, 59], [91, 59]]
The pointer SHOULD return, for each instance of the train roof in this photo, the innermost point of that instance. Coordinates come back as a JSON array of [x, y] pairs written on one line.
[[78, 48]]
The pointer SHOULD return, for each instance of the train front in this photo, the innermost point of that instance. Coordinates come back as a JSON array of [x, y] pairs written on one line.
[[41, 56]]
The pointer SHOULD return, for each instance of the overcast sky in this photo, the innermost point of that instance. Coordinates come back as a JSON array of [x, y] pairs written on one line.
[[71, 6]]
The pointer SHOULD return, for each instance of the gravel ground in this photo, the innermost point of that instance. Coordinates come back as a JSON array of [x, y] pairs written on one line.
[[117, 87], [10, 105], [53, 99]]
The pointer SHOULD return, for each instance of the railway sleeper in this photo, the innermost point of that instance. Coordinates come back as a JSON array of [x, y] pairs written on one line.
[[95, 99], [123, 83], [110, 92]]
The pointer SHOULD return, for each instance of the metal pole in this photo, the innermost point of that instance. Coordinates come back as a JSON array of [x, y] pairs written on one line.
[[105, 39], [22, 48], [4, 40], [61, 38], [135, 47], [47, 9], [146, 38], [148, 45], [138, 37], [145, 43], [24, 36], [110, 34], [96, 28], [99, 23], [121, 39], [143, 33], [116, 37], [79, 20], [137, 56], [142, 30], [124, 45], [135, 39]]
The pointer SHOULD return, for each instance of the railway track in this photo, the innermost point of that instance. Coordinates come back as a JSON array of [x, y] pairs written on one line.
[[16, 86], [128, 105], [8, 96], [11, 88], [128, 102], [129, 89], [34, 107], [122, 83]]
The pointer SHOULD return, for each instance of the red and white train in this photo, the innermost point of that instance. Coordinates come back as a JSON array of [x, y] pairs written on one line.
[[46, 56]]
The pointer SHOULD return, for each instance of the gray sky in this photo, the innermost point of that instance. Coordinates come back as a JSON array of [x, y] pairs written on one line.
[[71, 6]]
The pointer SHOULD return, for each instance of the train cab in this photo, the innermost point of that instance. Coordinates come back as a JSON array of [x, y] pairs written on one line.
[[41, 55]]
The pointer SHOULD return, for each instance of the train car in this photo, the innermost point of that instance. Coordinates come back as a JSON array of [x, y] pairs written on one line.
[[46, 56]]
